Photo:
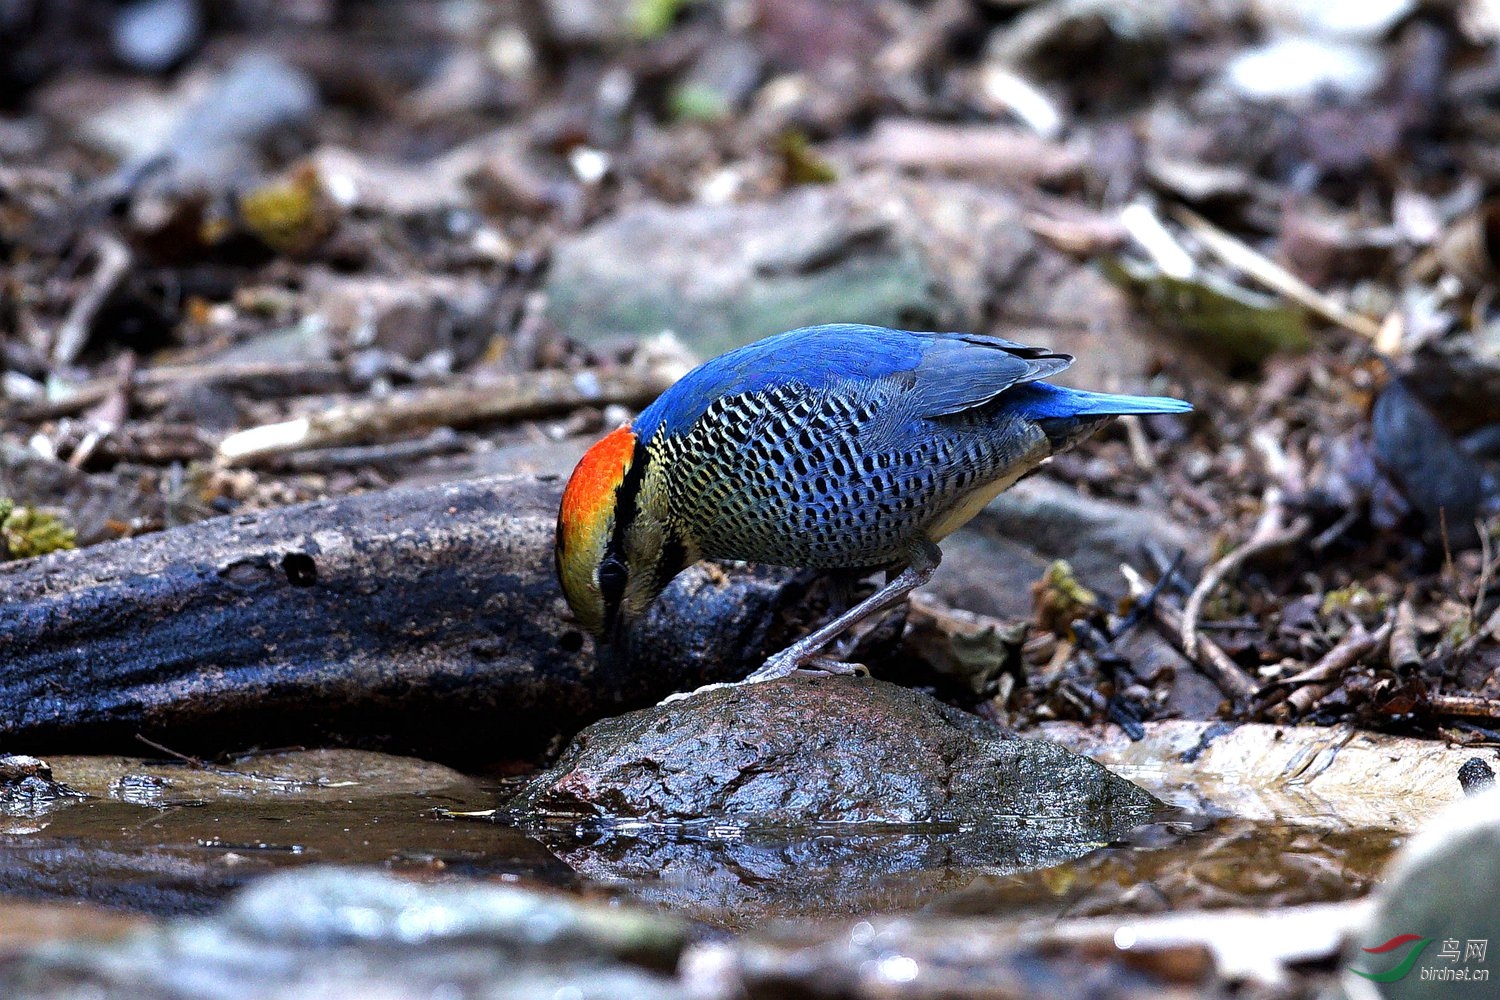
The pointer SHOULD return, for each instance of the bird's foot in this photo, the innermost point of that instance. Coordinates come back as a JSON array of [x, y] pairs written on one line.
[[780, 666], [784, 665]]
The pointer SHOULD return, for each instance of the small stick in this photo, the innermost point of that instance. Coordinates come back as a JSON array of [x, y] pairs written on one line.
[[1404, 652], [1486, 568], [1215, 664], [73, 334], [197, 763], [1140, 448], [1257, 265], [95, 391], [1347, 652], [532, 394], [194, 762], [1270, 533], [439, 442], [1464, 705]]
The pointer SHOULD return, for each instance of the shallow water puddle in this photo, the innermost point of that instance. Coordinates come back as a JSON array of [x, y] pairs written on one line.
[[166, 838], [738, 881]]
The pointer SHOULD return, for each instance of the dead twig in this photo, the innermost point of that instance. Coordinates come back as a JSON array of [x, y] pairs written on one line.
[[196, 763], [1322, 677], [998, 150], [1263, 269], [1464, 705], [519, 397], [1403, 650], [114, 262], [1213, 662], [199, 764], [1487, 566], [1489, 630], [1140, 447], [151, 384], [442, 441], [1271, 532]]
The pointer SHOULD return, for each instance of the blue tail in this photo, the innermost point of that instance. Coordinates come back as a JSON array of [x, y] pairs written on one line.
[[1040, 400]]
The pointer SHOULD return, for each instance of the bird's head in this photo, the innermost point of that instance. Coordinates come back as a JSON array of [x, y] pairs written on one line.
[[616, 549]]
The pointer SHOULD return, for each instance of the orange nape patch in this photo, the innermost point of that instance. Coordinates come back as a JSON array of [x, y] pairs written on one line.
[[590, 493]]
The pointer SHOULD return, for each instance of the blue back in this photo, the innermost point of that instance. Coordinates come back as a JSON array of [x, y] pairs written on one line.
[[949, 372], [814, 356]]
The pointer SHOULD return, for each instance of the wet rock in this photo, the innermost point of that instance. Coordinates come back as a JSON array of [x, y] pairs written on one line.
[[343, 934], [1439, 894], [810, 797], [825, 750], [26, 925], [314, 775], [875, 249], [27, 786], [17, 767]]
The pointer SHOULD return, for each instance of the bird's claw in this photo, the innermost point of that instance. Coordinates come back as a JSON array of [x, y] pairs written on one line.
[[782, 665], [831, 666]]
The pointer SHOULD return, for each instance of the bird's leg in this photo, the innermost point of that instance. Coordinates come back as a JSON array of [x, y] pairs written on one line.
[[924, 560], [841, 591]]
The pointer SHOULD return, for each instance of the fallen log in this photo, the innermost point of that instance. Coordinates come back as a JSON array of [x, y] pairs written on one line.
[[420, 620]]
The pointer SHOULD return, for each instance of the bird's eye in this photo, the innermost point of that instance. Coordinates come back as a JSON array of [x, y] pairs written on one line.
[[612, 575]]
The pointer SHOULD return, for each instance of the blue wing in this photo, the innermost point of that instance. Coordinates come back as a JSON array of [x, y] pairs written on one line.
[[951, 372]]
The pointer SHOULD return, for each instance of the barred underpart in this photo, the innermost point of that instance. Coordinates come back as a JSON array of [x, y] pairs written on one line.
[[837, 477]]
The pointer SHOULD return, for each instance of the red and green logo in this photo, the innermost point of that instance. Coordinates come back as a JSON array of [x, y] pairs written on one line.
[[1396, 944]]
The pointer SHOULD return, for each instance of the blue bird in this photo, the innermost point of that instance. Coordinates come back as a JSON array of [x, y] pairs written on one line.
[[829, 447]]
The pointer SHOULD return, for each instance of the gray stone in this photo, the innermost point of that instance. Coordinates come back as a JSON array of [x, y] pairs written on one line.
[[808, 797], [874, 249], [989, 565], [823, 750], [1095, 536], [347, 934], [204, 134], [723, 275], [1441, 887], [95, 505], [592, 22], [215, 138], [154, 35]]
